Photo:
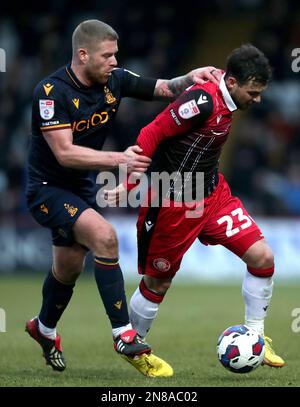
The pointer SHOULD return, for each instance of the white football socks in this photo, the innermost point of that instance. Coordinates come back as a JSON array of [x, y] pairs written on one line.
[[142, 313], [257, 293], [118, 331], [48, 332]]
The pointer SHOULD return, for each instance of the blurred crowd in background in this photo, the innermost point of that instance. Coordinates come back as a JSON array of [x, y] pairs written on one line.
[[158, 39]]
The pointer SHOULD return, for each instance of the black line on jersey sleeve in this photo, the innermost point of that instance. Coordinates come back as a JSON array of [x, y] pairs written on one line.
[[136, 86]]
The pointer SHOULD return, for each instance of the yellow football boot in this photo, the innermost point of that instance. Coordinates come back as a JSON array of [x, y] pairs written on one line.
[[271, 359], [150, 365]]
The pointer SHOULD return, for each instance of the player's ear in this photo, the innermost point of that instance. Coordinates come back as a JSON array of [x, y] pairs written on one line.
[[83, 55], [231, 82]]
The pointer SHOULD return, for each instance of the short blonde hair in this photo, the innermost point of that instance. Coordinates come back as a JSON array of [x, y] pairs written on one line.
[[89, 32]]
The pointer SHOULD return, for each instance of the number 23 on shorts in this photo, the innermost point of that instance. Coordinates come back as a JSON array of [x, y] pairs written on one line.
[[245, 221]]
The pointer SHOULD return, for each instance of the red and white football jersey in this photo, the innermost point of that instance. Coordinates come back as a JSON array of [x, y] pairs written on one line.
[[191, 131]]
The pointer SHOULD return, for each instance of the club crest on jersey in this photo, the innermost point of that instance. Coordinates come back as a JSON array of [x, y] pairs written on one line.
[[188, 109], [46, 108], [109, 97], [161, 264], [70, 209]]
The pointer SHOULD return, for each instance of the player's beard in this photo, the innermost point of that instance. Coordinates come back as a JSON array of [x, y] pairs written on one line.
[[94, 76], [239, 105], [245, 106]]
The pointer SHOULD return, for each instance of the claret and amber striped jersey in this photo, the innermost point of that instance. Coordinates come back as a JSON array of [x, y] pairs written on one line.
[[60, 101]]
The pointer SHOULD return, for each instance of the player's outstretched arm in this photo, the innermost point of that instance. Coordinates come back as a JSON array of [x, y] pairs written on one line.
[[169, 89], [84, 158]]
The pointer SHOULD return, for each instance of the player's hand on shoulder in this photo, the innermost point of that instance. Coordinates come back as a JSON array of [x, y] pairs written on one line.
[[208, 73], [135, 161]]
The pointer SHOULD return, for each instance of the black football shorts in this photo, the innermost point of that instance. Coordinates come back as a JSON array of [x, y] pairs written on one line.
[[58, 209]]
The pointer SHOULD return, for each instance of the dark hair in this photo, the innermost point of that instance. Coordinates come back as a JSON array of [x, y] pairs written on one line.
[[248, 62]]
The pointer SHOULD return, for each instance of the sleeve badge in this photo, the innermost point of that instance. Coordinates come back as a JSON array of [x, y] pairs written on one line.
[[188, 109], [46, 108]]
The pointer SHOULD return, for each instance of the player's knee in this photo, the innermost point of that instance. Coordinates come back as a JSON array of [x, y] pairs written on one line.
[[263, 265], [107, 244], [266, 259], [259, 256], [111, 241]]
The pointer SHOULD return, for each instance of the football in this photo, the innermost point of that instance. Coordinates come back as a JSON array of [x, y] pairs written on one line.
[[240, 349]]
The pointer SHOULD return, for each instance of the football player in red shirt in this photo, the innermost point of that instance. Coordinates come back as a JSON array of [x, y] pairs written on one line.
[[190, 134]]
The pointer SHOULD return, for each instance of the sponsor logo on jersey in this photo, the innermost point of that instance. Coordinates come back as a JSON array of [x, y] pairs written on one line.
[[76, 102], [176, 120], [47, 88], [71, 209], [95, 120], [109, 97], [188, 109], [46, 108], [219, 117], [202, 99], [161, 264], [51, 123]]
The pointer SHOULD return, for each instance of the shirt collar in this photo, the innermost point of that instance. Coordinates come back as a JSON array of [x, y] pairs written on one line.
[[73, 77], [77, 82], [226, 95]]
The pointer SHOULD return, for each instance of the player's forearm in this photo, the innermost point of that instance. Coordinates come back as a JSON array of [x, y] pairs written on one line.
[[169, 89], [84, 158]]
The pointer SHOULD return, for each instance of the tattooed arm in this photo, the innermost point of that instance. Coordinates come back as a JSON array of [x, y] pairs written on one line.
[[169, 89]]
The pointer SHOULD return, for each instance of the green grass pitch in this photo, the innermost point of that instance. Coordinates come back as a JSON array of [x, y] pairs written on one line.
[[185, 334]]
